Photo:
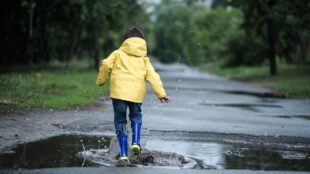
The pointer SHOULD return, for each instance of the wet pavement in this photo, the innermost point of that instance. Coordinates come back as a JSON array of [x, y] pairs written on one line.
[[217, 122]]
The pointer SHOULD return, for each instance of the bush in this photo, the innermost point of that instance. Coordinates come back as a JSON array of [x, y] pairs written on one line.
[[214, 30], [244, 50]]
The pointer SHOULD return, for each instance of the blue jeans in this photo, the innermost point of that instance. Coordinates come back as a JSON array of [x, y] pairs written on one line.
[[120, 113]]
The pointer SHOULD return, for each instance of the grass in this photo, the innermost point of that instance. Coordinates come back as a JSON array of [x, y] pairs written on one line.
[[293, 80], [49, 89]]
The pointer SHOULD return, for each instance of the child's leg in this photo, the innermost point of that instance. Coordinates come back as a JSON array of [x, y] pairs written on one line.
[[120, 122], [136, 122]]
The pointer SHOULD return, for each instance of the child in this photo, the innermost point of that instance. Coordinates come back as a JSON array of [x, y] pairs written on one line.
[[128, 68]]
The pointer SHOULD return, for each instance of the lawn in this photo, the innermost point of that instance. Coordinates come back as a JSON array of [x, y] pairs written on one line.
[[49, 89], [293, 80]]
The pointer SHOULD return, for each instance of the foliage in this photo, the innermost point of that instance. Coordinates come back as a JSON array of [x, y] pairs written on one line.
[[290, 29], [38, 31], [187, 32], [174, 33], [241, 32], [244, 49], [214, 31]]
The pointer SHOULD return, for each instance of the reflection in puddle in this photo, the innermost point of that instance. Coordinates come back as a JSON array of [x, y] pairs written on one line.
[[266, 159], [207, 153], [223, 156], [61, 151]]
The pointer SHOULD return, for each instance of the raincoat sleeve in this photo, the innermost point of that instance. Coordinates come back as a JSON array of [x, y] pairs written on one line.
[[154, 79], [105, 69]]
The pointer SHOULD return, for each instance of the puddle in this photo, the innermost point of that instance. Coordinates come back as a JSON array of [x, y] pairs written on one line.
[[61, 151], [249, 93], [251, 107], [263, 95], [305, 117], [148, 158], [224, 156]]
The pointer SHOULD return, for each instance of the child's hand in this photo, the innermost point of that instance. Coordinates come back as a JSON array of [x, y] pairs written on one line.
[[164, 99]]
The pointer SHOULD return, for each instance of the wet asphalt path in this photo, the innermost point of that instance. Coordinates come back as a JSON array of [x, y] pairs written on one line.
[[203, 108], [206, 103], [202, 102]]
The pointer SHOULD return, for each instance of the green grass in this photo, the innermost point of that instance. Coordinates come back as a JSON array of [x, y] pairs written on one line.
[[293, 80], [49, 89]]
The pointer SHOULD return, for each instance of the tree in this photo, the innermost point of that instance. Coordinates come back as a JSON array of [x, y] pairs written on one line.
[[282, 24], [37, 31], [174, 33]]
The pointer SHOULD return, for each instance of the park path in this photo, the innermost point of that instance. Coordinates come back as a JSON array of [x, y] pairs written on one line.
[[200, 103], [207, 103], [210, 119]]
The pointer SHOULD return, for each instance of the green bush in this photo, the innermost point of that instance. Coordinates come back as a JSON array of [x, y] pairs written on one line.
[[214, 29], [244, 50], [175, 34]]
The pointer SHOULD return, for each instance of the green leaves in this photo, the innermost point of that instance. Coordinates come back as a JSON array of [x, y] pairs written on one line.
[[191, 34], [65, 29]]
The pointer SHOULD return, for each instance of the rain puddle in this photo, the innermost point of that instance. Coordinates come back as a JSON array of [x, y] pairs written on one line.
[[251, 107], [58, 151], [226, 156], [306, 117], [263, 95], [62, 151], [249, 93]]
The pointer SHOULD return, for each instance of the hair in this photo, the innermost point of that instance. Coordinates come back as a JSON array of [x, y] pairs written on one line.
[[133, 32]]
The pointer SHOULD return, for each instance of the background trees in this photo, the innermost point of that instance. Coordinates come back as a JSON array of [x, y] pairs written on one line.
[[282, 25], [237, 32], [234, 32], [34, 31]]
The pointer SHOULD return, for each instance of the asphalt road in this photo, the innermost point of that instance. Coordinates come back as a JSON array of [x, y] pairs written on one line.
[[202, 105]]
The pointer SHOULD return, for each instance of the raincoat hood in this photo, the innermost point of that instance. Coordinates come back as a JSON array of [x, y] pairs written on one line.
[[134, 46]]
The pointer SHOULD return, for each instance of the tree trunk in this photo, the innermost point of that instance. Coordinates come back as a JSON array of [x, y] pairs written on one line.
[[270, 40], [30, 38], [45, 51], [96, 45]]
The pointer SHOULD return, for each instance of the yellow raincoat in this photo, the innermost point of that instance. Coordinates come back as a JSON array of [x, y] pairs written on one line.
[[128, 68]]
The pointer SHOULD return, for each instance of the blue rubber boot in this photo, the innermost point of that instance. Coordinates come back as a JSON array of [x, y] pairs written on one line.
[[135, 145], [122, 140]]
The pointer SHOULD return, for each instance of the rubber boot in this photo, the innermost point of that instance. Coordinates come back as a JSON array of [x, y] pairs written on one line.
[[122, 140], [135, 145]]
